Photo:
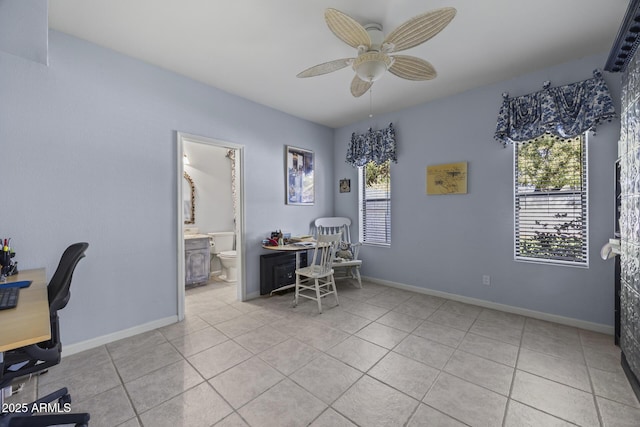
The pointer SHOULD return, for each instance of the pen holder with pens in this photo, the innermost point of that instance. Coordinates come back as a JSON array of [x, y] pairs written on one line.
[[9, 267]]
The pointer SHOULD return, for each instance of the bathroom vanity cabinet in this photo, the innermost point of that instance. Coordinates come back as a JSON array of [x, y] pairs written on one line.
[[196, 259]]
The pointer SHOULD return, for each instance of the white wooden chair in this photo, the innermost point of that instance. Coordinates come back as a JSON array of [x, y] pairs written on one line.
[[318, 276], [348, 265]]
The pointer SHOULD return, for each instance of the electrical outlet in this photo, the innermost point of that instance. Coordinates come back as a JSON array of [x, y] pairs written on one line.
[[486, 280]]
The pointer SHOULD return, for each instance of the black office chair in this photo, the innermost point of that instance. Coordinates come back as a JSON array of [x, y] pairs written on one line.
[[41, 356]]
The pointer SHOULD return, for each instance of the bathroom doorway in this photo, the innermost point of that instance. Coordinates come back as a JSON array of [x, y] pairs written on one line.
[[210, 199]]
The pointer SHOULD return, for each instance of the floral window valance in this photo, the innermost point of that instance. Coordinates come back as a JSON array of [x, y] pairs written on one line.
[[374, 146], [565, 111]]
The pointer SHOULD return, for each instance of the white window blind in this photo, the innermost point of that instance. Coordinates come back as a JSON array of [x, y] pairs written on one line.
[[375, 203], [551, 200]]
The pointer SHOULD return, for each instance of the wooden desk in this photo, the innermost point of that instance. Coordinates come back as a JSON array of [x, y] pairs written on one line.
[[29, 322], [292, 248]]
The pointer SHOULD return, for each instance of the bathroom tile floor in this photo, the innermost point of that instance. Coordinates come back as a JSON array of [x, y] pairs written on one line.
[[383, 357]]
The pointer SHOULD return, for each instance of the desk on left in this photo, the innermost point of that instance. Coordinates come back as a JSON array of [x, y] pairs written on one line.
[[29, 322]]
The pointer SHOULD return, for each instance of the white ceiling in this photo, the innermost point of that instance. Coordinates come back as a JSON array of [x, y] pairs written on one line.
[[255, 48]]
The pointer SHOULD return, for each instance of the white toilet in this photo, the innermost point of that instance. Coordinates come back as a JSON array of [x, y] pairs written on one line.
[[223, 248]]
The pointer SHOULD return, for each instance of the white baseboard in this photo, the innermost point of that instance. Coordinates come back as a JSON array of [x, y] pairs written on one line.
[[68, 350], [583, 324]]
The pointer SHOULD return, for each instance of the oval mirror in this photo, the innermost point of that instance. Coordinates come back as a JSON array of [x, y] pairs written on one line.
[[189, 200]]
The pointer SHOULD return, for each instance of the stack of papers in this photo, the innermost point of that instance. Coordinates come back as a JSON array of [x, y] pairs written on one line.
[[303, 238], [305, 244]]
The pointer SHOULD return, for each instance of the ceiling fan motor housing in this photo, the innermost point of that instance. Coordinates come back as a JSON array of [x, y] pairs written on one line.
[[376, 35]]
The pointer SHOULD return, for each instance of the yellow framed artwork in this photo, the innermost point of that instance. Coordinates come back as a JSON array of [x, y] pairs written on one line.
[[449, 178]]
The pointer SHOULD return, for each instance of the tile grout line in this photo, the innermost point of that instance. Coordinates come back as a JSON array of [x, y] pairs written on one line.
[[440, 371], [593, 390], [513, 377], [206, 380], [546, 379], [126, 392]]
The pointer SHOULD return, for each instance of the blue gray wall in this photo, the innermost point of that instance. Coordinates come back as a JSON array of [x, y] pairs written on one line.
[[23, 28], [88, 153], [446, 243]]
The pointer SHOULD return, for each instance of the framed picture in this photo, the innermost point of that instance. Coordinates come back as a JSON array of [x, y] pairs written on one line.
[[450, 178], [345, 185], [300, 176]]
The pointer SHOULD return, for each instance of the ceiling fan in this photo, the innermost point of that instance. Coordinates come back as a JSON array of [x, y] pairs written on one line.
[[374, 50]]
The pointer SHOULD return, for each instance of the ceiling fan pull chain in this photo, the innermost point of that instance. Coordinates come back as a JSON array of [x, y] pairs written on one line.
[[371, 102]]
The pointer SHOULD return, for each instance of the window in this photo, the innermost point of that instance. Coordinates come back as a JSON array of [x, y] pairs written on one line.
[[375, 203], [551, 200]]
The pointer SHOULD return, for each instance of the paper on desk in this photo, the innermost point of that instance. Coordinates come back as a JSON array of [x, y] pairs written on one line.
[[305, 244]]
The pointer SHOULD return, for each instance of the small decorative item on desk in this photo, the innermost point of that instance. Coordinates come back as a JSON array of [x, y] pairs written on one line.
[[8, 267], [278, 238], [272, 240], [269, 242]]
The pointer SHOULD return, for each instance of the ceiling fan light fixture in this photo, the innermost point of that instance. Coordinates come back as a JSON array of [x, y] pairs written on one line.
[[370, 66]]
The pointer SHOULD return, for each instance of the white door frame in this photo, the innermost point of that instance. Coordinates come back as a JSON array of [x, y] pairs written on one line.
[[240, 218]]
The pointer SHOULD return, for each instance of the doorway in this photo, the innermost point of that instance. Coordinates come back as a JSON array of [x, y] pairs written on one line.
[[234, 155]]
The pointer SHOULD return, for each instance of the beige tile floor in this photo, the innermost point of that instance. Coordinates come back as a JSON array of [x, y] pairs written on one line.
[[383, 357]]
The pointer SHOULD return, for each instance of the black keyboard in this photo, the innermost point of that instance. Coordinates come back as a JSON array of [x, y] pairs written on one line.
[[9, 297]]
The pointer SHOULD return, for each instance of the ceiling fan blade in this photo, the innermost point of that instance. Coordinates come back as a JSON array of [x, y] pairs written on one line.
[[412, 68], [347, 29], [326, 67], [359, 87], [420, 28]]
